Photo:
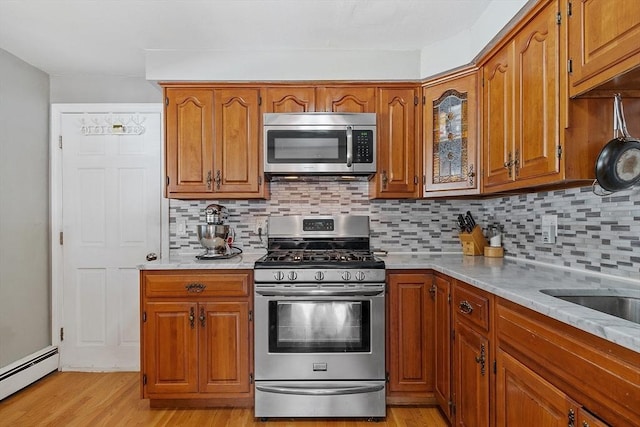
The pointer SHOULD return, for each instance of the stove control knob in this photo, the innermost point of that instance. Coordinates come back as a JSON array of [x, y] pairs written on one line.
[[292, 275], [346, 276], [319, 276], [278, 275], [360, 276]]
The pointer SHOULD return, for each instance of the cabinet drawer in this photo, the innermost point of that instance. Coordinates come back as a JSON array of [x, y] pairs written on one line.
[[471, 305], [190, 284]]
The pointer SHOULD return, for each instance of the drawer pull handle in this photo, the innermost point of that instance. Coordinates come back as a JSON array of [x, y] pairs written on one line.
[[465, 307], [195, 287]]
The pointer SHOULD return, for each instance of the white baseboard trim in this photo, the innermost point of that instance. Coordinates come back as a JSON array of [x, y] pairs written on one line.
[[28, 370]]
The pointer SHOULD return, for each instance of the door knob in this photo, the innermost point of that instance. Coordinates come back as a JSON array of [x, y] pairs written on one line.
[[152, 256]]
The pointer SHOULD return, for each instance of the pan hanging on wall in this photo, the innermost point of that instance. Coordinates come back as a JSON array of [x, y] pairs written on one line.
[[618, 164]]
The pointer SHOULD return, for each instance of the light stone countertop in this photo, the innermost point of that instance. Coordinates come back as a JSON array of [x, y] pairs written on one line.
[[188, 261], [515, 280]]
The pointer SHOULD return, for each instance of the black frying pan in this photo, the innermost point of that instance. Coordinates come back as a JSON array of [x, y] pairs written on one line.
[[618, 164]]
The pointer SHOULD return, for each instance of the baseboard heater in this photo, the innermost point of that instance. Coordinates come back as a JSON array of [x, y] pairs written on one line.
[[26, 371]]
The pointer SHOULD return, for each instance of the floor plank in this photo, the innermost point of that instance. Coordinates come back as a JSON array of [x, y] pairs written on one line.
[[113, 399]]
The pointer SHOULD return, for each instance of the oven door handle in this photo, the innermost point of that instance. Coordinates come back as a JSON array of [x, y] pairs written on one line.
[[321, 391], [319, 292]]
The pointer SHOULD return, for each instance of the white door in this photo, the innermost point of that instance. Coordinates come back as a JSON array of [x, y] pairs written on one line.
[[111, 197]]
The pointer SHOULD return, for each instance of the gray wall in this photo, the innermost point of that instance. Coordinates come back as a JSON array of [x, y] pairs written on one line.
[[25, 320], [103, 89]]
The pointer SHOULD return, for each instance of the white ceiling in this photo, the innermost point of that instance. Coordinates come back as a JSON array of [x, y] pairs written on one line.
[[67, 37]]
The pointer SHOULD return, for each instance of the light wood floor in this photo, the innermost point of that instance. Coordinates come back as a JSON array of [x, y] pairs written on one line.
[[113, 399]]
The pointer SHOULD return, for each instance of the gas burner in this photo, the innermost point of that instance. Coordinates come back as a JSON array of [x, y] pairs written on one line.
[[319, 258]]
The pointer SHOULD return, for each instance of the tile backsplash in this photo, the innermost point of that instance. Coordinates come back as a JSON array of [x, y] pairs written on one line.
[[600, 234]]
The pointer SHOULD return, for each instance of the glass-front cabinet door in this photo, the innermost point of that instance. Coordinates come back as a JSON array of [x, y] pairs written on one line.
[[451, 135]]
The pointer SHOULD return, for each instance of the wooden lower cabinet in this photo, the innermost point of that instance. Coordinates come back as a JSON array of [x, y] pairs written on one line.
[[547, 370], [410, 338], [472, 356], [441, 293], [196, 338], [522, 395]]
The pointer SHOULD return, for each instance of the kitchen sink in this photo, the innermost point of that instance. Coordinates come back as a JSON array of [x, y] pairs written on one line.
[[616, 302]]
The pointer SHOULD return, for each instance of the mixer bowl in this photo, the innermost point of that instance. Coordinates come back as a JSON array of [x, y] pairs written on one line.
[[214, 237]]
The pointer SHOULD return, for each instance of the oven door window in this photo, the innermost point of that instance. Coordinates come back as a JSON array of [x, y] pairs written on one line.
[[297, 146], [319, 326]]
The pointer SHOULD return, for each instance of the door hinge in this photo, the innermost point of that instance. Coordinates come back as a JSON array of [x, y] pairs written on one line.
[[558, 18], [495, 366], [449, 299], [144, 316], [166, 100], [386, 377], [259, 100], [453, 407], [559, 151], [61, 238], [569, 10], [570, 66], [251, 378], [259, 180], [424, 100], [61, 334], [144, 379], [453, 334], [416, 100], [415, 180], [60, 141], [250, 315], [167, 180]]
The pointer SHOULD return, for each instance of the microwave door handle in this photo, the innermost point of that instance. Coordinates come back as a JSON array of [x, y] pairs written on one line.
[[349, 146]]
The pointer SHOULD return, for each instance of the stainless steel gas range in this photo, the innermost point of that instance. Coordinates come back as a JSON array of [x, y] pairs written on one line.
[[319, 320]]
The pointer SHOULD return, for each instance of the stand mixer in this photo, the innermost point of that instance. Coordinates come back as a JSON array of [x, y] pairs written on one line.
[[215, 236]]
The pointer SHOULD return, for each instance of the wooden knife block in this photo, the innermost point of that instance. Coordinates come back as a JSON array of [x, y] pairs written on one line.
[[473, 243]]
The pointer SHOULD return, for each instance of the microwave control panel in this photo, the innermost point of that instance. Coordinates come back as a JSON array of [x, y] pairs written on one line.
[[363, 146]]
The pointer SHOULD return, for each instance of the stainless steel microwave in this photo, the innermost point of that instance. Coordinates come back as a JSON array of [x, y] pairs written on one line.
[[319, 144]]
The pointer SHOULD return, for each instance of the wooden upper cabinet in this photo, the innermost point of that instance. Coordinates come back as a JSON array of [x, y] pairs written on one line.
[[346, 99], [399, 149], [498, 117], [604, 41], [189, 140], [451, 135], [290, 99], [237, 154], [213, 137], [521, 110]]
